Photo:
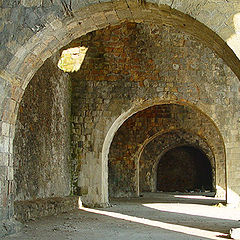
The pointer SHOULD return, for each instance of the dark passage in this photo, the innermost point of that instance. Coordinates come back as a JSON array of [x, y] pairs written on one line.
[[183, 169]]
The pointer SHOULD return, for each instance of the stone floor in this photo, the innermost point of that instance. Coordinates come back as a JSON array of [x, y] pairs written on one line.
[[154, 216]]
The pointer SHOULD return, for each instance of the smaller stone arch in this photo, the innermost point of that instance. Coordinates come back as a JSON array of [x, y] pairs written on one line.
[[160, 145]]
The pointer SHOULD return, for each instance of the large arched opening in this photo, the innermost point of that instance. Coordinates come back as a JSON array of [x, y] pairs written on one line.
[[147, 135]]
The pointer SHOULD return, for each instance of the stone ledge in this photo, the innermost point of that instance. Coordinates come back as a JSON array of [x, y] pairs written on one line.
[[31, 209]]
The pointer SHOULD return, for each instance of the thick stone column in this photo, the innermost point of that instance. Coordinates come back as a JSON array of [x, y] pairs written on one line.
[[7, 223], [7, 105]]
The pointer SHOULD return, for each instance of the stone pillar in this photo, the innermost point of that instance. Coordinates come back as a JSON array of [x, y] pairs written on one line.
[[7, 106], [233, 164], [93, 178], [7, 223]]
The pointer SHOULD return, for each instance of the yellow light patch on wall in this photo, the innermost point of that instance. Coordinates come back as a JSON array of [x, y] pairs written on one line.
[[236, 20], [234, 40], [72, 59]]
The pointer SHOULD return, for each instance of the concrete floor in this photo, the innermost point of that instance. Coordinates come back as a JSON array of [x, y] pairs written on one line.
[[154, 216]]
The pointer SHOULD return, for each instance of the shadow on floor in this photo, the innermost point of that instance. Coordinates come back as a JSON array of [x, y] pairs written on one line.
[[153, 217]]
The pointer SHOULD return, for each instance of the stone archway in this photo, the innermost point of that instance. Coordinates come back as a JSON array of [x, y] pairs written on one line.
[[54, 36], [146, 135], [160, 145], [101, 190], [85, 182]]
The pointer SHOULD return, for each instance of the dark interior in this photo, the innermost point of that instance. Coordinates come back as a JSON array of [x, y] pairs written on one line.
[[184, 169]]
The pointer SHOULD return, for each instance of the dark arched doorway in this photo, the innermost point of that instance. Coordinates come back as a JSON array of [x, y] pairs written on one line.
[[184, 168]]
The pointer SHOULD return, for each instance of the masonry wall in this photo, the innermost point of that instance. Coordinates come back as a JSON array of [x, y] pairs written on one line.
[[42, 137], [130, 67]]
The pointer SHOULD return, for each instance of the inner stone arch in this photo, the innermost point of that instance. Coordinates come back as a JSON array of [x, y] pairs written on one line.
[[157, 148], [184, 168]]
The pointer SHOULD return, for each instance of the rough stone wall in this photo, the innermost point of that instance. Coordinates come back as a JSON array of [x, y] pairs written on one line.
[[157, 147], [42, 137], [143, 126], [133, 66], [32, 209]]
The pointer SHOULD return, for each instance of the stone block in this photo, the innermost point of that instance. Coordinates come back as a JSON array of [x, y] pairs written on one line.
[[13, 46], [6, 56], [4, 159], [112, 17], [100, 20], [27, 210], [15, 64], [31, 3], [4, 144], [3, 176], [9, 110], [89, 25], [5, 129], [10, 173], [10, 160], [167, 2], [17, 93], [56, 24], [81, 14], [77, 5], [83, 190]]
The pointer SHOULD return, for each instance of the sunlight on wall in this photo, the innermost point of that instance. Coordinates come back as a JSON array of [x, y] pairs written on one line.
[[195, 197], [72, 59], [236, 20], [220, 193], [234, 40], [80, 205], [233, 199]]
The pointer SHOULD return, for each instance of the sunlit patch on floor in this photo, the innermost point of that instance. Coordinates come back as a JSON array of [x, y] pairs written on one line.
[[162, 225]]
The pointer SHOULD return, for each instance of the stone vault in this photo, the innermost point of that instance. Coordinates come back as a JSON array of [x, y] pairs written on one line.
[[60, 131]]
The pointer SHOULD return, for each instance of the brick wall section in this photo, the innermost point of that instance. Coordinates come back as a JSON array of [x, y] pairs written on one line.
[[133, 66], [42, 137]]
